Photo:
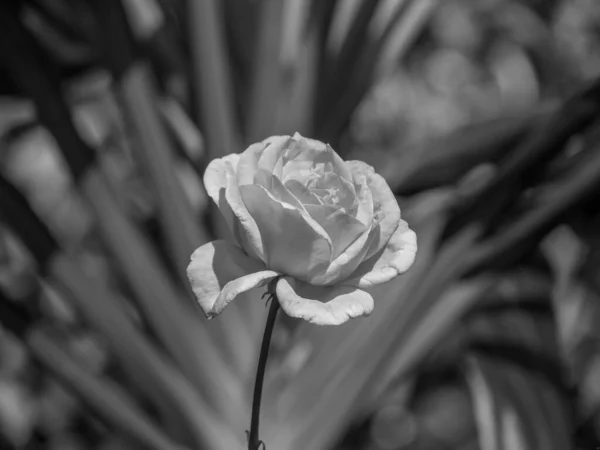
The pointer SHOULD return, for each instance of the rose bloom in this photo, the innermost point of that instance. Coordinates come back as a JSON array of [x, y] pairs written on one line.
[[327, 228]]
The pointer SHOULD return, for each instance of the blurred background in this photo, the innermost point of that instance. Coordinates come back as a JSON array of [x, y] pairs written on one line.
[[482, 116]]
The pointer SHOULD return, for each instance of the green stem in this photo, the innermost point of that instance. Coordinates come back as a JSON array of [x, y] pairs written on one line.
[[254, 443]]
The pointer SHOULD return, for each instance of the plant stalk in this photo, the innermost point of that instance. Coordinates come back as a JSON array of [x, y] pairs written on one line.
[[254, 443]]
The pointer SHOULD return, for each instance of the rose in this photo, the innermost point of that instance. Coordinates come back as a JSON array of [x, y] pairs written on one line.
[[297, 212]]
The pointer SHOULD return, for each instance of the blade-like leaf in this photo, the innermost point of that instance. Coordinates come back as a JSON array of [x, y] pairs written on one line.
[[176, 324], [266, 88], [513, 369], [214, 96], [354, 41], [184, 130], [522, 165], [340, 108], [508, 245], [181, 408], [155, 152], [444, 160], [111, 403]]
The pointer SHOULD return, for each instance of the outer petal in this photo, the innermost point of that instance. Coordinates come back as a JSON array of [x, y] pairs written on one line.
[[395, 258], [342, 228], [385, 205], [322, 305], [345, 264], [243, 226], [294, 243], [248, 163], [215, 182], [221, 186], [219, 271]]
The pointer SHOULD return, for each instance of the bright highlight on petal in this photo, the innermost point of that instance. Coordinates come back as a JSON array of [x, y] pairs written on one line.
[[219, 271], [384, 204], [395, 258], [324, 305]]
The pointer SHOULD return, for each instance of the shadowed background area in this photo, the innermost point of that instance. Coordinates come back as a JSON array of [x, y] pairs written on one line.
[[484, 118]]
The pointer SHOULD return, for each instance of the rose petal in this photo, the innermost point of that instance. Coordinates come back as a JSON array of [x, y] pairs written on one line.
[[364, 197], [346, 263], [348, 190], [294, 243], [304, 153], [308, 143], [385, 205], [339, 166], [395, 258], [245, 228], [217, 174], [334, 190], [219, 271], [276, 188], [300, 161], [322, 305], [248, 163], [302, 193], [215, 180], [271, 158], [342, 228]]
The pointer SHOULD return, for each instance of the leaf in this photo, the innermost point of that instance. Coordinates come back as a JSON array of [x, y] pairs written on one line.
[[194, 345], [266, 86], [177, 324], [184, 130], [214, 94], [155, 153], [353, 43], [241, 27], [523, 233], [440, 161], [113, 405], [336, 113], [514, 371], [522, 165], [182, 409]]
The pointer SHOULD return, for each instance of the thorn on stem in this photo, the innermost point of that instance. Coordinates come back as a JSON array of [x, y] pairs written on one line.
[[260, 445], [269, 298]]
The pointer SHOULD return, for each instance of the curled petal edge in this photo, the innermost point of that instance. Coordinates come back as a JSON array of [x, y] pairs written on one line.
[[322, 305], [394, 259], [239, 286], [220, 271]]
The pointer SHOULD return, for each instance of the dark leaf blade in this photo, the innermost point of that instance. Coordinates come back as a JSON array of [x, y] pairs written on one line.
[[514, 371], [520, 236], [513, 405], [215, 99], [338, 111], [177, 325], [112, 405], [442, 161]]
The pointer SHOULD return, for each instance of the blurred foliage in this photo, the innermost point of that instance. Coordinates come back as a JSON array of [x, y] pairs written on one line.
[[482, 116]]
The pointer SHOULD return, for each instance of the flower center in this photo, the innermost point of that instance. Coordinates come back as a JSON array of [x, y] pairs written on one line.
[[329, 196]]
